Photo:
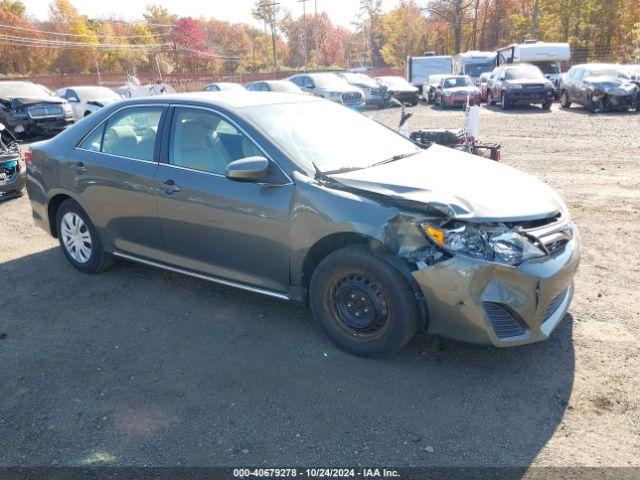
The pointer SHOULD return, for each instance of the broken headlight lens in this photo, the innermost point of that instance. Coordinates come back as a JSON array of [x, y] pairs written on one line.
[[491, 243]]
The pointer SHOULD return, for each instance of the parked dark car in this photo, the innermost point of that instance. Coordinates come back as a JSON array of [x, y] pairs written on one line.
[[270, 193], [600, 87], [282, 86], [31, 111], [223, 87], [455, 91], [520, 84], [400, 89], [12, 171]]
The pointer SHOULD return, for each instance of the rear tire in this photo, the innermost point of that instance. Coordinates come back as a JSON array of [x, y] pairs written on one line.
[[79, 239], [363, 304]]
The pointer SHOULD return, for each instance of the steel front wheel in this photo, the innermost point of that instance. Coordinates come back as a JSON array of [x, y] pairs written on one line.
[[79, 239], [363, 303]]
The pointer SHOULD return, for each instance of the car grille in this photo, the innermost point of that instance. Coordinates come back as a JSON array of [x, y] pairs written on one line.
[[554, 233], [554, 305], [504, 322], [351, 98], [45, 111]]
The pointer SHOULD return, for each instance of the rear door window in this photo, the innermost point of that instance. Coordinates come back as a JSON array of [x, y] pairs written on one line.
[[132, 133]]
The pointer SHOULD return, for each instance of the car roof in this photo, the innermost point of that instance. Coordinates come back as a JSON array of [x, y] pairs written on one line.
[[228, 99], [598, 66]]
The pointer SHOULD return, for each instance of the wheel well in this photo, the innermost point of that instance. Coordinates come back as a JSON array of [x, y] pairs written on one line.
[[327, 245], [52, 211]]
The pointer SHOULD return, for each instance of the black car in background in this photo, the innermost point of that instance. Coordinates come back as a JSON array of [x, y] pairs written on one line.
[[520, 84], [400, 89], [600, 87], [31, 111]]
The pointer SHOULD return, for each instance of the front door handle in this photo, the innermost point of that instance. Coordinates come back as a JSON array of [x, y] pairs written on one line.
[[169, 187], [80, 168]]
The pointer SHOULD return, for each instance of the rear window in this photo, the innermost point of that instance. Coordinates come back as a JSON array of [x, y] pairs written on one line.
[[524, 73]]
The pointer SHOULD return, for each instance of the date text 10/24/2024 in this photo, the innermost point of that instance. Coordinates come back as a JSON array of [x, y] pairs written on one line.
[[315, 473]]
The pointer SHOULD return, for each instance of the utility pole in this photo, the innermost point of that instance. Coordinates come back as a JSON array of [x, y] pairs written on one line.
[[264, 7], [304, 23]]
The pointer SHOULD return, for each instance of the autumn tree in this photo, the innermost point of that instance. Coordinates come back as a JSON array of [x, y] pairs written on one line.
[[404, 29]]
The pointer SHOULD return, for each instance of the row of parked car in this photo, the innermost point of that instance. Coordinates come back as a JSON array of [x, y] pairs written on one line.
[[598, 87], [349, 88]]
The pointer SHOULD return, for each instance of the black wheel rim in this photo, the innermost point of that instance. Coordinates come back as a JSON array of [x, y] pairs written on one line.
[[360, 305]]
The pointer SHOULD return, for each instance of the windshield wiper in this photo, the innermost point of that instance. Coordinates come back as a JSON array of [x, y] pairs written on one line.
[[394, 158]]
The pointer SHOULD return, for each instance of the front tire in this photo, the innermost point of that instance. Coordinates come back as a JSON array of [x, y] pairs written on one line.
[[490, 100], [565, 102], [363, 304], [504, 102], [547, 105], [79, 239]]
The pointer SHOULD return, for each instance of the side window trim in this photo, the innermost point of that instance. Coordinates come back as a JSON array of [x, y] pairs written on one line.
[[103, 125], [168, 132]]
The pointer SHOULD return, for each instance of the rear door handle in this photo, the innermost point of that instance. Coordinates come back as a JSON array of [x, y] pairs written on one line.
[[79, 166], [169, 187]]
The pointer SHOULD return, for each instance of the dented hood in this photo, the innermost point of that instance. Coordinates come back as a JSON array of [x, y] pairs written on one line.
[[462, 185]]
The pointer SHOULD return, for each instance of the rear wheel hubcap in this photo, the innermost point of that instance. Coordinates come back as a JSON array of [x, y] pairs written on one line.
[[76, 237]]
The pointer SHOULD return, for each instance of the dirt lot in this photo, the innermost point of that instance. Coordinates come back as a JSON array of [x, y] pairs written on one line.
[[140, 367]]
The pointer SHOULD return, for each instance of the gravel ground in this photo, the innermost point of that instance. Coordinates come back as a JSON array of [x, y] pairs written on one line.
[[140, 367]]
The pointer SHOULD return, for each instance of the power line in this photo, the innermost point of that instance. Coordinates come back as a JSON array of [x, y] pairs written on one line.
[[82, 35], [30, 41]]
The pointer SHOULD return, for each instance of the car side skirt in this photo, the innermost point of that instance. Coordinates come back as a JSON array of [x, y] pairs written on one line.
[[201, 276]]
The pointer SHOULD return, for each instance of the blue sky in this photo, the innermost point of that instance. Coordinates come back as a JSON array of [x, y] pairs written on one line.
[[342, 12]]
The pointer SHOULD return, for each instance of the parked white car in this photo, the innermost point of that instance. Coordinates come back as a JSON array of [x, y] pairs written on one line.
[[88, 99]]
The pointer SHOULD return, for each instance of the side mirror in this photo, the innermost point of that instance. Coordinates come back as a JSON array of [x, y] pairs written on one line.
[[248, 169]]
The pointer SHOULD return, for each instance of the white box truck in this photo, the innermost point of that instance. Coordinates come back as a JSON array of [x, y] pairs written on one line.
[[546, 56], [474, 63], [419, 68]]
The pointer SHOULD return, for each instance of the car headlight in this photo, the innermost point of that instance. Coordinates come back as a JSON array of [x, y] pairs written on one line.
[[448, 93], [493, 243], [66, 107]]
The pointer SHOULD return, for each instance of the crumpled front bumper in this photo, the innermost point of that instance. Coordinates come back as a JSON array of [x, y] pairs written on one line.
[[493, 304]]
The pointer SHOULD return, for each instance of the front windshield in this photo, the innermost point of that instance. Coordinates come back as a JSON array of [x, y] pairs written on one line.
[[24, 90], [457, 82], [358, 78], [607, 72], [395, 82], [328, 135], [474, 70], [330, 80], [96, 93], [549, 68], [285, 86], [524, 73]]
